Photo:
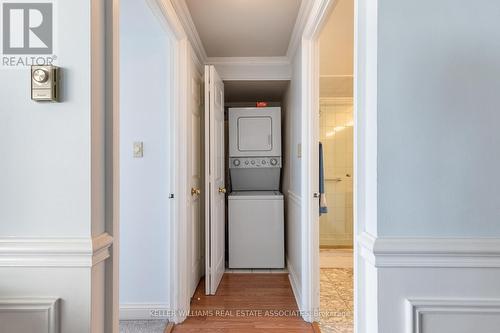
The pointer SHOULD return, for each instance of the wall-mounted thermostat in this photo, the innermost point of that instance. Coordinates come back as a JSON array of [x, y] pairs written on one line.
[[44, 83]]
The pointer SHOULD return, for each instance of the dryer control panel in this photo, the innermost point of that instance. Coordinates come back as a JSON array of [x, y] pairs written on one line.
[[254, 162]]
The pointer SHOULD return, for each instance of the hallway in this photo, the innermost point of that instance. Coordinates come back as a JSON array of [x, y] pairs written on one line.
[[246, 303]]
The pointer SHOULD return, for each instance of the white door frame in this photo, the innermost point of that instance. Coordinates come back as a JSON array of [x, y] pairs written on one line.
[[365, 147], [178, 237], [178, 298]]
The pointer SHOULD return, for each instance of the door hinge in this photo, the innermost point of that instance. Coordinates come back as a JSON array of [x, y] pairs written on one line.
[[171, 196]]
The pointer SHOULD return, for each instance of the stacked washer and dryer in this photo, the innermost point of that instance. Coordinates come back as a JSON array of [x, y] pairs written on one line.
[[256, 210]]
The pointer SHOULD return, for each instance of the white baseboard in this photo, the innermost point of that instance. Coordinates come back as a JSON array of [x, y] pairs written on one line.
[[143, 311]]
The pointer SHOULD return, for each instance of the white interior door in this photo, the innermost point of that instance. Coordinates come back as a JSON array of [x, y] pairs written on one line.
[[195, 174], [214, 176]]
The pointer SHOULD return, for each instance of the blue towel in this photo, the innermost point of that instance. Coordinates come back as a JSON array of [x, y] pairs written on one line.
[[323, 209]]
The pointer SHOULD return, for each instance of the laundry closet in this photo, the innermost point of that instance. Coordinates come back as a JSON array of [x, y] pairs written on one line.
[[254, 205]]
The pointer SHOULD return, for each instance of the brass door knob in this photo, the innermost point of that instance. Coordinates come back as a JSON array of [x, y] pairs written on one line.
[[195, 191], [222, 190]]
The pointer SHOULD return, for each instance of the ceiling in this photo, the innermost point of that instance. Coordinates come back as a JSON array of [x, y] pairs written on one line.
[[337, 51], [253, 91], [244, 28]]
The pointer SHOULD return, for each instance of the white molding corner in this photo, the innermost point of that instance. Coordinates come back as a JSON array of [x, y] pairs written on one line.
[[430, 252], [186, 20], [54, 252], [417, 308], [30, 305]]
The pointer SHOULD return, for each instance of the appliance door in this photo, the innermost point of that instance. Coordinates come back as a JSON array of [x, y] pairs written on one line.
[[254, 132], [256, 232]]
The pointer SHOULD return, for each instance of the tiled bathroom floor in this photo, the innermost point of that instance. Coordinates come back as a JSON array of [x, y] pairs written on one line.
[[336, 290]]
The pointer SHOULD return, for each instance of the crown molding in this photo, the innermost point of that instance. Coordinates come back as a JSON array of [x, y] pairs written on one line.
[[54, 252], [298, 28], [189, 27], [186, 20], [252, 68]]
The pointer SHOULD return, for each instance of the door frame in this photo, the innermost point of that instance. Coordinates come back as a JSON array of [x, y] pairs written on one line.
[[365, 149], [178, 299], [178, 233]]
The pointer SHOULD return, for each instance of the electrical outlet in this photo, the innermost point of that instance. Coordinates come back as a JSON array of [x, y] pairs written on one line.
[[138, 149]]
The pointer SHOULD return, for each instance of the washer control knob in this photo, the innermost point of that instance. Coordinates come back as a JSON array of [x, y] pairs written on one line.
[[274, 161], [263, 161], [236, 162], [253, 162], [246, 162]]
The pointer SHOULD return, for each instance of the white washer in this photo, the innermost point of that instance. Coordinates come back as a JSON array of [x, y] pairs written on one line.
[[256, 229]]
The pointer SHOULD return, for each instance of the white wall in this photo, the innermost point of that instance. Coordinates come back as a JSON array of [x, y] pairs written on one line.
[[292, 175], [145, 182], [439, 77]]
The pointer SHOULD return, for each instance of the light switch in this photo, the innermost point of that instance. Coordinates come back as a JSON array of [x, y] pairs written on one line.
[[138, 149]]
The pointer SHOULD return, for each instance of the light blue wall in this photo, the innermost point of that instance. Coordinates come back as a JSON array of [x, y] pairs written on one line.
[[144, 182], [438, 118], [45, 147]]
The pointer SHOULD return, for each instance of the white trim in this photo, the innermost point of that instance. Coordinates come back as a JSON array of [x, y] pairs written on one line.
[[365, 154], [417, 308], [310, 138], [30, 305], [54, 252], [145, 311], [112, 161], [252, 68], [430, 252], [187, 23]]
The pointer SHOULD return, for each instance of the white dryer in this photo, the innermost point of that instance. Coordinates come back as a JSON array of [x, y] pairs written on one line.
[[255, 148]]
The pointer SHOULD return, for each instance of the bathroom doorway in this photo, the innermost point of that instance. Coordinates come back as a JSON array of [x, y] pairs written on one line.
[[336, 134]]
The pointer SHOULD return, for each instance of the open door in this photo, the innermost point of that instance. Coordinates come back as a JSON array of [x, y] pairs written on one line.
[[214, 181]]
